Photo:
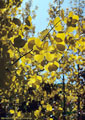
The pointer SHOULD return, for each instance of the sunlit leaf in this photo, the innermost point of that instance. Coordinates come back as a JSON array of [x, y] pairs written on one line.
[[52, 66], [12, 111], [39, 58], [49, 56], [43, 33], [60, 37], [49, 107]]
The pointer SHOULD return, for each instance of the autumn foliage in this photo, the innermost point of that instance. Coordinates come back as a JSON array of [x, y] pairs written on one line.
[[32, 68]]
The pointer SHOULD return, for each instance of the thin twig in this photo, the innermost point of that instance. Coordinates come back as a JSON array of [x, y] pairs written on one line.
[[21, 57]]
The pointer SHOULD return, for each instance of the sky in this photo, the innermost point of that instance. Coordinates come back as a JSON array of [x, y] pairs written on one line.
[[42, 13]]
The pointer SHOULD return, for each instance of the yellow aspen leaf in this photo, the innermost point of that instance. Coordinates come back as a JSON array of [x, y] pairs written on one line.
[[31, 42], [39, 58], [45, 94], [36, 49], [17, 83], [65, 20], [39, 78], [32, 80], [37, 86], [47, 66], [53, 73], [36, 113], [52, 66], [77, 36], [34, 41], [49, 56], [60, 37], [1, 93], [38, 42], [17, 100], [70, 14], [26, 27], [42, 102], [15, 90], [19, 42], [50, 48], [40, 67], [61, 46], [19, 114], [3, 10], [74, 109], [75, 18], [45, 45], [23, 60], [12, 111], [14, 77], [83, 26], [71, 29], [51, 119], [48, 107], [10, 53], [18, 71], [57, 21], [28, 22], [43, 33], [83, 22], [60, 108], [30, 18], [25, 91], [59, 28], [56, 63], [54, 33], [58, 56]]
